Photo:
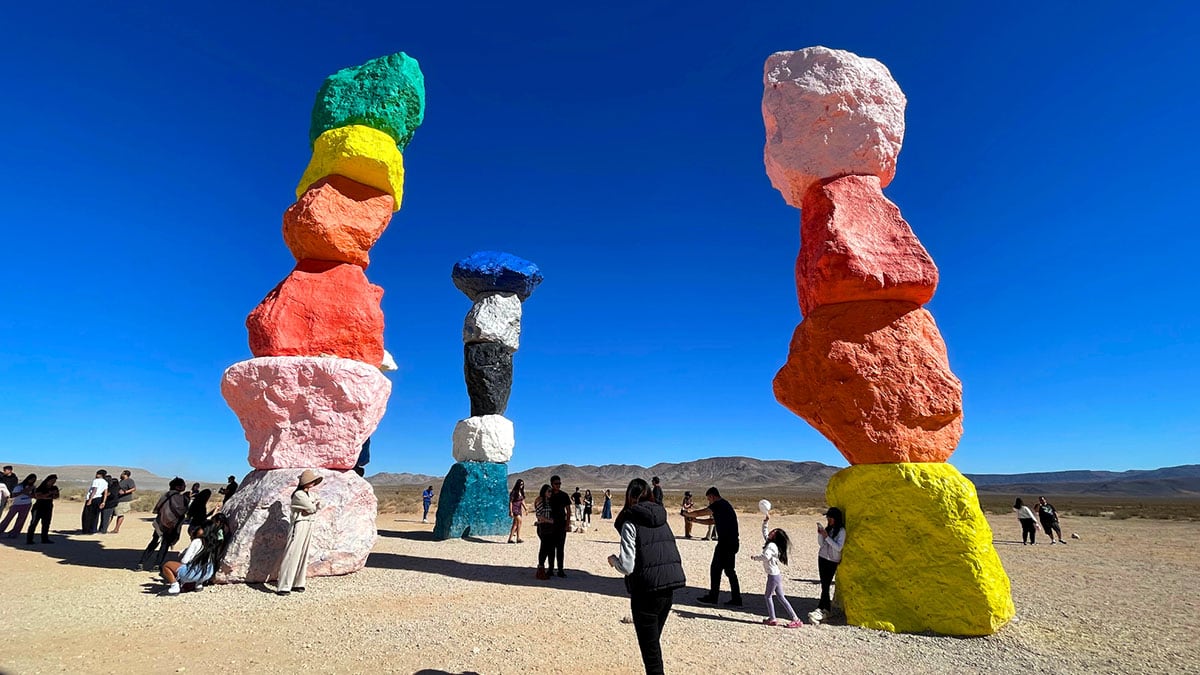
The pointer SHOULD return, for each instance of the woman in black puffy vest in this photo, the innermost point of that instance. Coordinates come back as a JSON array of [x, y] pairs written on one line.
[[651, 565]]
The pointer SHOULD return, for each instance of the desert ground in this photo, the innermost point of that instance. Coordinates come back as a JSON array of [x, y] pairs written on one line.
[[1121, 598]]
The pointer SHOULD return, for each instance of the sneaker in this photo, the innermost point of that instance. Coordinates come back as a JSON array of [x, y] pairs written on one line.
[[562, 574], [707, 599], [733, 602], [296, 589], [816, 616], [797, 623], [1062, 542], [283, 592], [199, 587], [173, 589], [770, 622]]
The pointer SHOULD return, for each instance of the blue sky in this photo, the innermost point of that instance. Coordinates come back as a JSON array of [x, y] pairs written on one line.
[[151, 152]]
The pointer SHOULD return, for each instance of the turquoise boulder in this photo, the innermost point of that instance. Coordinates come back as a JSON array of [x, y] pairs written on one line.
[[473, 501], [387, 93]]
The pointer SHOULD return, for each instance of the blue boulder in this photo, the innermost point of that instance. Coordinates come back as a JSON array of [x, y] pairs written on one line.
[[492, 271], [474, 501]]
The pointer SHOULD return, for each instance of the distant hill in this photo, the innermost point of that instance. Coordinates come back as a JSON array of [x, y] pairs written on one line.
[[80, 476], [403, 479]]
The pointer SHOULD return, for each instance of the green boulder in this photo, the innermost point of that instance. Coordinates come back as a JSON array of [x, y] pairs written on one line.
[[387, 93]]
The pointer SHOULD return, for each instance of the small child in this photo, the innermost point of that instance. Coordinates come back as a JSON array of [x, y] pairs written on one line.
[[775, 551]]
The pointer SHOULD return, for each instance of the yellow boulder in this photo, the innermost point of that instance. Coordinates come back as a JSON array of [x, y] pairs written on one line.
[[918, 554], [360, 153]]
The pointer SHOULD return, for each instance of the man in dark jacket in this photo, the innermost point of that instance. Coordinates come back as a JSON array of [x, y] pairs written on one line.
[[560, 515], [651, 564], [721, 514]]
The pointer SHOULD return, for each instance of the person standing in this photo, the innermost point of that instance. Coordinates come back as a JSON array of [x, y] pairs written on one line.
[[168, 521], [1025, 517], [125, 489], [92, 502], [577, 500], [720, 513], [831, 538], [9, 480], [1049, 517], [587, 508], [658, 493], [775, 551], [109, 507], [688, 505], [545, 531], [293, 570], [652, 567], [227, 491], [426, 500], [22, 500], [43, 508], [516, 509], [606, 511], [560, 515]]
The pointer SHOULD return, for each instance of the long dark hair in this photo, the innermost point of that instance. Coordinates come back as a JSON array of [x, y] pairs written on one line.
[[48, 482], [541, 498], [781, 541], [1018, 504], [839, 522], [30, 480], [518, 491], [638, 491], [215, 538]]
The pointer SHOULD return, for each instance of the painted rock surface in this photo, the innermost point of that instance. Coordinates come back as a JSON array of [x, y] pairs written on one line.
[[305, 411], [495, 318], [487, 272], [488, 370], [387, 93], [321, 308], [363, 155], [343, 531], [338, 220], [486, 438], [829, 113], [918, 554], [856, 246], [873, 377], [473, 501]]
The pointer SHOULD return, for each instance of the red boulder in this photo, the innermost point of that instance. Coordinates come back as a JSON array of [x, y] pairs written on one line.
[[321, 308], [873, 377], [854, 245]]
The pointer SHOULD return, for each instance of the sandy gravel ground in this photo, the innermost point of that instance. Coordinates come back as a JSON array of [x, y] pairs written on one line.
[[1121, 599]]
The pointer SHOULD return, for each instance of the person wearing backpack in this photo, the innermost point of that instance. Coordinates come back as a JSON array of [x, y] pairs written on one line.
[[168, 520]]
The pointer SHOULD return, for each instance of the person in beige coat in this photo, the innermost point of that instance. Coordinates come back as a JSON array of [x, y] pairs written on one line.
[[292, 571]]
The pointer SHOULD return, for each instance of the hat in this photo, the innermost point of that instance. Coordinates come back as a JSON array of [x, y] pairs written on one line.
[[309, 477]]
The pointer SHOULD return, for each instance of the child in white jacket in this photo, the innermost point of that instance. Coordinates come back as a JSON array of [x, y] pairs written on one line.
[[775, 551]]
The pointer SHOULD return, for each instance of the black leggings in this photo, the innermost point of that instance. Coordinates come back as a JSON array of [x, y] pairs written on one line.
[[1028, 530], [558, 538], [650, 612], [545, 545], [826, 569], [42, 512], [723, 560]]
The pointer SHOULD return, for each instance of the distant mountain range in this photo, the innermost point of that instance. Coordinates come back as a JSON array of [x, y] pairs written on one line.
[[746, 472]]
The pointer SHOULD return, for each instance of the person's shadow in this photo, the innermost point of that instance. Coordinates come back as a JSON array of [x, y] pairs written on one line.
[[267, 547], [69, 550]]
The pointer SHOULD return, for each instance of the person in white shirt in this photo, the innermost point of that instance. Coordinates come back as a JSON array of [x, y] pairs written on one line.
[[1028, 525], [775, 551], [92, 501], [22, 500], [831, 537]]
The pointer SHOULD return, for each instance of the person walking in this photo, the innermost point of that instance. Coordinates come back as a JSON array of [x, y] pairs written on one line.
[[22, 501], [652, 567], [775, 551], [606, 510], [545, 531], [657, 491], [293, 570], [516, 508], [43, 508], [125, 489], [831, 537], [587, 508], [426, 500], [1025, 517], [1049, 517], [168, 521], [720, 513], [560, 515], [92, 502]]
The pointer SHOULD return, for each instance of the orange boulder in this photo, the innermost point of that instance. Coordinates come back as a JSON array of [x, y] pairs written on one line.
[[321, 308], [873, 377], [337, 219], [854, 245]]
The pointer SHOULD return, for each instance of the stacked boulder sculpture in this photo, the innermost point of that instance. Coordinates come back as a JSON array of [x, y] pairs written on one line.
[[474, 496], [867, 366], [314, 393]]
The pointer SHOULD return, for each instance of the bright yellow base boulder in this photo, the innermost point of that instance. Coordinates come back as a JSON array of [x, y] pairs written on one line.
[[918, 554], [360, 153]]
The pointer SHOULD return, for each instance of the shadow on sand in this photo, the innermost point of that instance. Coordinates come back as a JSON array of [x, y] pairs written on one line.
[[72, 548]]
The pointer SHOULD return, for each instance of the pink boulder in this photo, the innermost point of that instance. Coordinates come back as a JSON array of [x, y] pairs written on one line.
[[873, 377], [829, 113], [854, 245], [343, 532], [337, 219], [321, 308], [302, 411]]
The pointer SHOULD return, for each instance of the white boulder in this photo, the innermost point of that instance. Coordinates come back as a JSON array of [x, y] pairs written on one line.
[[494, 318], [485, 438]]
